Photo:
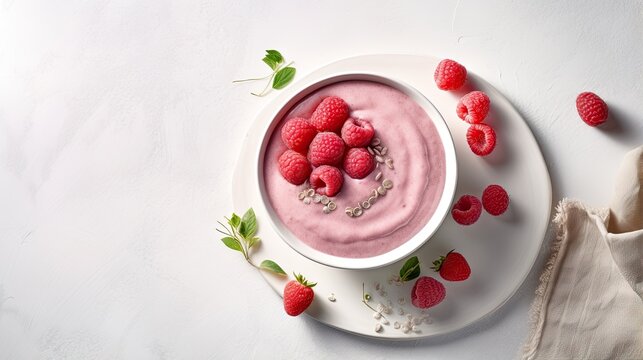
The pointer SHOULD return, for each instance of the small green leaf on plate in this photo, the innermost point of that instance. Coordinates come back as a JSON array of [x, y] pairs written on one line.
[[249, 221], [232, 243], [283, 77], [410, 270], [272, 266], [252, 242]]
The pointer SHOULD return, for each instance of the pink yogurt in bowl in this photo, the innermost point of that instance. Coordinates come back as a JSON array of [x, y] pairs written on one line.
[[423, 174]]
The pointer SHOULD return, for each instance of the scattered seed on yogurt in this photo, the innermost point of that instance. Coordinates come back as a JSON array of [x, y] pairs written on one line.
[[381, 190], [384, 150], [370, 150], [357, 211], [332, 206], [317, 198], [396, 325], [377, 151], [326, 210], [389, 163], [384, 321], [307, 201], [325, 200], [301, 195], [311, 192], [379, 159], [375, 142], [349, 211], [378, 176], [332, 298], [366, 204], [377, 315], [387, 184]]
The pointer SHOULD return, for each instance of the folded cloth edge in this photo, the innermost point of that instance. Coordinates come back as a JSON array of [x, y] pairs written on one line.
[[547, 278]]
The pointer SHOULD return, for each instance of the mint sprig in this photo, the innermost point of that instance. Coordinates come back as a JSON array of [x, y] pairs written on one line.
[[281, 75], [410, 270], [240, 236]]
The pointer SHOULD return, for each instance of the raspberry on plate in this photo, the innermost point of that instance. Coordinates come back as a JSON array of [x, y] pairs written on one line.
[[327, 148], [495, 200], [427, 292], [450, 75], [330, 114], [294, 167], [297, 133], [591, 108], [473, 107], [481, 139], [466, 210], [358, 163], [357, 132], [327, 180]]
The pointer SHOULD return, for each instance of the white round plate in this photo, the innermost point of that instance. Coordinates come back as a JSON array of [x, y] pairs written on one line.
[[500, 250]]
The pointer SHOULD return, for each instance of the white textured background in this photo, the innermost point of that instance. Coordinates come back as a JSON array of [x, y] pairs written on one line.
[[119, 128]]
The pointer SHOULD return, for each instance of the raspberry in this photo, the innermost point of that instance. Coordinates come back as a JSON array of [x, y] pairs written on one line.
[[591, 108], [495, 200], [357, 132], [481, 139], [427, 292], [294, 167], [297, 133], [326, 180], [473, 107], [466, 210], [330, 114], [327, 148], [449, 75], [358, 163]]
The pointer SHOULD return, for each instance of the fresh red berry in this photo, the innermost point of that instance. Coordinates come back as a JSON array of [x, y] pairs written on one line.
[[427, 292], [330, 114], [357, 132], [452, 266], [297, 133], [298, 295], [450, 75], [495, 200], [327, 180], [466, 210], [294, 167], [327, 148], [481, 139], [358, 163], [473, 107], [591, 108]]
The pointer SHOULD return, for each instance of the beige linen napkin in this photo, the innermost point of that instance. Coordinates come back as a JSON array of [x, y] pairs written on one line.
[[588, 304]]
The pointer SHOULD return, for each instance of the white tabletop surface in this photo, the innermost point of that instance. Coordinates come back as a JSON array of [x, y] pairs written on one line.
[[119, 130]]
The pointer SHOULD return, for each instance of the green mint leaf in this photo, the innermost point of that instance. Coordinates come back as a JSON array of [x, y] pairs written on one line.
[[252, 242], [234, 220], [270, 62], [243, 230], [283, 77], [272, 266], [232, 243], [250, 221], [410, 270], [275, 55]]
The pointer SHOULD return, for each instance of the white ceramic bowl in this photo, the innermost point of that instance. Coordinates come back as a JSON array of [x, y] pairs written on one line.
[[425, 232]]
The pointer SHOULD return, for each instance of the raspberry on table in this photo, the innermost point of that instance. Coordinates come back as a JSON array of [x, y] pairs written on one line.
[[297, 133], [450, 75], [294, 167], [466, 210], [481, 139], [358, 163], [495, 200], [473, 107], [357, 132], [330, 114], [327, 148], [591, 108], [327, 180]]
